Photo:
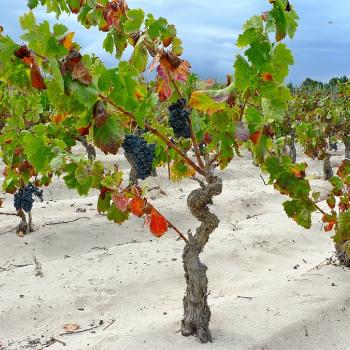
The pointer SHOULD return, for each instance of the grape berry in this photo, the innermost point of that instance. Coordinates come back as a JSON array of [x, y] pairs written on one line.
[[141, 153], [23, 198], [179, 119]]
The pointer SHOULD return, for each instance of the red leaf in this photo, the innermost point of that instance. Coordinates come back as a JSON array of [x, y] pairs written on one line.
[[120, 201], [207, 138], [36, 77], [137, 206], [267, 77], [255, 137], [22, 52], [158, 224], [84, 131], [329, 227], [103, 192]]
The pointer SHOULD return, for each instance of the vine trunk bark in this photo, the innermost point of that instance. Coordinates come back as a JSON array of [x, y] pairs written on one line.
[[25, 227], [292, 148], [196, 309], [327, 167], [342, 253], [347, 149]]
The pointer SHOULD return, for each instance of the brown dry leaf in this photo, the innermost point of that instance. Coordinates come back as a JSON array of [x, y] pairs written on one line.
[[183, 71], [80, 72], [99, 113], [154, 63], [71, 327]]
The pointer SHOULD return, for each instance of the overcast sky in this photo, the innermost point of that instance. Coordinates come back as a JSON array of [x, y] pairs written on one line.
[[209, 30]]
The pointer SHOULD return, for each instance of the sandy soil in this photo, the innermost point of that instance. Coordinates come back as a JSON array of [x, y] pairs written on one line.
[[265, 290]]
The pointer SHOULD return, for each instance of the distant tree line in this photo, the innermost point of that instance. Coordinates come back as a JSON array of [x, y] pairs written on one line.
[[314, 85]]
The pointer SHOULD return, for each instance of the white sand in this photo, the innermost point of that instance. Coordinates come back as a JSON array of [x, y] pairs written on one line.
[[124, 273]]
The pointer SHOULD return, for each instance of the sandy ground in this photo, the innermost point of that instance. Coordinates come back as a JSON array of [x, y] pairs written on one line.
[[265, 292]]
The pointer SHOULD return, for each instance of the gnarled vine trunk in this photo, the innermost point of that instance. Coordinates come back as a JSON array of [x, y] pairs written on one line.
[[327, 167], [347, 149], [25, 227], [292, 148], [196, 309], [341, 253], [133, 171]]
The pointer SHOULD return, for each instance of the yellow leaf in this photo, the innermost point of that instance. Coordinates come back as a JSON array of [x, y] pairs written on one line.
[[67, 42]]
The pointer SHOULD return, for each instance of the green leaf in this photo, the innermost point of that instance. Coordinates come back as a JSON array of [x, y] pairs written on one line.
[[277, 13], [292, 22], [59, 29], [300, 211], [104, 203], [108, 43], [116, 215], [259, 53], [55, 84], [139, 58], [56, 163], [337, 183], [343, 227], [32, 3], [72, 182], [37, 151], [273, 110], [254, 119], [242, 70], [27, 21], [134, 21], [248, 37], [83, 175], [282, 57], [109, 136]]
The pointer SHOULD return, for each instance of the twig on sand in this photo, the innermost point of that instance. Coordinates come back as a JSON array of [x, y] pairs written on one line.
[[9, 214], [51, 342], [82, 330], [265, 183], [243, 297], [13, 266], [66, 222], [109, 324], [327, 261], [8, 231]]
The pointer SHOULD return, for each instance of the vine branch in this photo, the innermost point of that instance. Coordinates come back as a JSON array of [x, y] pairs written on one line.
[[163, 137]]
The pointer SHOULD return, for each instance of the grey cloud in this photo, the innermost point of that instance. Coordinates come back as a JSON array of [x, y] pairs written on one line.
[[209, 30]]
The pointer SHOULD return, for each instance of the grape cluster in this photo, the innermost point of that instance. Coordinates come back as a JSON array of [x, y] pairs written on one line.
[[179, 119], [141, 153], [333, 146], [23, 198]]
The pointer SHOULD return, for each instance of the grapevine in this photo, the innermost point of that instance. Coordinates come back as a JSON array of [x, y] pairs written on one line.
[[58, 97]]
